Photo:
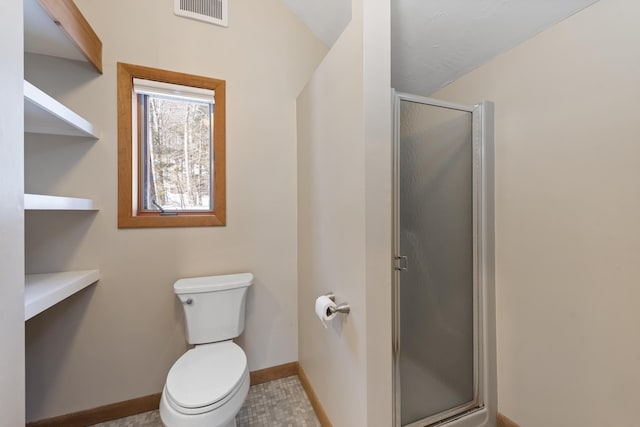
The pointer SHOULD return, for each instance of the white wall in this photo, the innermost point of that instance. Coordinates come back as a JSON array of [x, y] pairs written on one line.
[[11, 217], [331, 228], [117, 340], [344, 221], [567, 229], [378, 207]]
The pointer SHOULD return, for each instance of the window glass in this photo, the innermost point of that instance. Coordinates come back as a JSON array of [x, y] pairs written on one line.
[[176, 161]]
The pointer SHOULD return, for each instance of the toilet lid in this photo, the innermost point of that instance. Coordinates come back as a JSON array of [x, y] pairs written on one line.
[[206, 374]]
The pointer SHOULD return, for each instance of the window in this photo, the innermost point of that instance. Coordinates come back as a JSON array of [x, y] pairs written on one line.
[[171, 149]]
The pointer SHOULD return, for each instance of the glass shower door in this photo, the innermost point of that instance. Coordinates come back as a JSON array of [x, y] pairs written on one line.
[[436, 308]]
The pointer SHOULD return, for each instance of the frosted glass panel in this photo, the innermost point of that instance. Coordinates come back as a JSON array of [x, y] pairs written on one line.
[[436, 236]]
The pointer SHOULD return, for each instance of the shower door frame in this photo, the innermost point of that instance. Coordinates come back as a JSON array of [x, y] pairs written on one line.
[[481, 412]]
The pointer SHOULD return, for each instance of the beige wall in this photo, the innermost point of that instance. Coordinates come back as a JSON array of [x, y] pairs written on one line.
[[343, 136], [567, 229], [117, 340], [11, 217]]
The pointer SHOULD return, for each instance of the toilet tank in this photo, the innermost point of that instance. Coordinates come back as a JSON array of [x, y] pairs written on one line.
[[214, 306]]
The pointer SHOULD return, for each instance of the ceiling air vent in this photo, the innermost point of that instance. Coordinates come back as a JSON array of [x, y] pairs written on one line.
[[213, 11]]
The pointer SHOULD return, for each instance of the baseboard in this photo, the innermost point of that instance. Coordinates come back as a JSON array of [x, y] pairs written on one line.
[[502, 421], [313, 398], [274, 373], [103, 413], [152, 402], [149, 403]]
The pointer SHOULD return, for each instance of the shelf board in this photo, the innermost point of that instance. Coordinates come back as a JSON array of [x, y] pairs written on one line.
[[42, 291], [39, 202], [58, 28], [43, 114]]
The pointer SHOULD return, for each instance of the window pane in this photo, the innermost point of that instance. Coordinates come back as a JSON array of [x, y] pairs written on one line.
[[176, 162]]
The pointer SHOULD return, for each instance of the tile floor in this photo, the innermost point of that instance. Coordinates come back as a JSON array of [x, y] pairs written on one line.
[[279, 403]]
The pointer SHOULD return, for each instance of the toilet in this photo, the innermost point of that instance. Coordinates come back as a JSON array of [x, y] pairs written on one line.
[[208, 384]]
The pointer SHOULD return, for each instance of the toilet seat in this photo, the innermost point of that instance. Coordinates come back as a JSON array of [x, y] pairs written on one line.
[[206, 377]]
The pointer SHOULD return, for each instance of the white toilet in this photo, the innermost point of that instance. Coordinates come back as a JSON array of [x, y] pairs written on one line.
[[209, 383]]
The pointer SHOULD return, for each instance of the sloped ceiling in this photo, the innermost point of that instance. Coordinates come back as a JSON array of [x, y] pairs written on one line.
[[325, 18], [433, 42]]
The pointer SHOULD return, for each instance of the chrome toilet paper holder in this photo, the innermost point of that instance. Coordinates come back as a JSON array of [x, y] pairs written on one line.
[[343, 308]]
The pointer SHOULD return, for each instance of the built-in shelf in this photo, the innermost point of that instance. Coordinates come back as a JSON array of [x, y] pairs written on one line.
[[42, 291], [43, 114], [58, 28], [39, 202]]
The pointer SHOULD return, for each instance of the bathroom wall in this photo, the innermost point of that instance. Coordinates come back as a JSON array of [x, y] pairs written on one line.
[[567, 229], [117, 340], [344, 219], [11, 217], [331, 227], [376, 16]]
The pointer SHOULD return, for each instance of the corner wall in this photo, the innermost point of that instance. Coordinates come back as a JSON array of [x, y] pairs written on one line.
[[378, 207], [117, 340], [567, 230], [11, 216], [331, 228], [344, 221]]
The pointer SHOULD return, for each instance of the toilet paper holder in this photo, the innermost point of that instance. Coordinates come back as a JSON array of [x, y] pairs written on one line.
[[343, 308]]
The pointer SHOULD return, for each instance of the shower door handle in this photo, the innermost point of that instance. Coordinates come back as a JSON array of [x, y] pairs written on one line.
[[402, 263]]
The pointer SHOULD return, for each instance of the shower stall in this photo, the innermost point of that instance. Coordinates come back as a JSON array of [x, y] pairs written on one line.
[[444, 298]]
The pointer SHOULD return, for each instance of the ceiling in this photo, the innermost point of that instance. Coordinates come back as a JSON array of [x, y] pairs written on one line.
[[433, 42], [325, 18]]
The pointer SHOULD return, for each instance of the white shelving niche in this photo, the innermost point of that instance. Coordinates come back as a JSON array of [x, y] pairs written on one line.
[[51, 28], [39, 202], [43, 114], [41, 291]]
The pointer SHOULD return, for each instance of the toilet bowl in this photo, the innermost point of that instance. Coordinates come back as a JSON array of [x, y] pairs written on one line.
[[208, 384]]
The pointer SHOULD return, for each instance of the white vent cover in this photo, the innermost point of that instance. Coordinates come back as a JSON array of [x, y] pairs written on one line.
[[213, 11]]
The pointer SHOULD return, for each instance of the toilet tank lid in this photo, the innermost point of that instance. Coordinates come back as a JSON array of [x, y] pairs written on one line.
[[194, 285]]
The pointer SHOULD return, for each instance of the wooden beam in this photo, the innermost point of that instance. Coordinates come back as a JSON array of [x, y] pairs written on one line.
[[72, 22]]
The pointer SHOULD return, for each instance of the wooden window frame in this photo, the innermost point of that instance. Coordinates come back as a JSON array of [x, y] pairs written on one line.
[[127, 218]]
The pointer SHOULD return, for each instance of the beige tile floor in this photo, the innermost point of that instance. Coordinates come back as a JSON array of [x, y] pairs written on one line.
[[279, 403]]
